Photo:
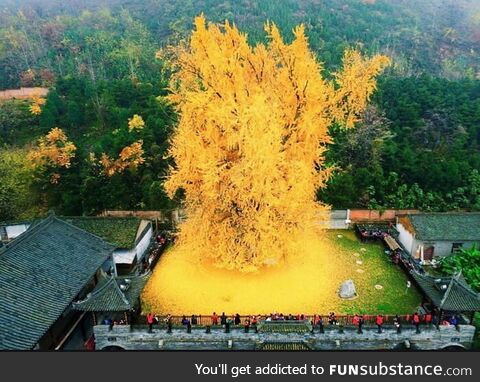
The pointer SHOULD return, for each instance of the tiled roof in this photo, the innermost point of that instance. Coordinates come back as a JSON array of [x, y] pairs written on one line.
[[449, 293], [447, 226], [41, 273], [108, 295], [122, 232]]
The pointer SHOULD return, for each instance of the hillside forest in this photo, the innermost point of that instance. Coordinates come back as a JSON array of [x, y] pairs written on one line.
[[98, 140]]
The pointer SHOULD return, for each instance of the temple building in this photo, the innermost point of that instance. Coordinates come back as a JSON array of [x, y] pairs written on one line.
[[426, 236], [131, 236], [114, 298], [449, 295], [43, 271]]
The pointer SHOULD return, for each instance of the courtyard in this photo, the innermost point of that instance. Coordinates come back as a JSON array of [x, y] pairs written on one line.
[[306, 283]]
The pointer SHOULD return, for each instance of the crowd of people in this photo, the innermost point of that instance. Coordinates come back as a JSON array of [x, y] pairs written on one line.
[[317, 321]]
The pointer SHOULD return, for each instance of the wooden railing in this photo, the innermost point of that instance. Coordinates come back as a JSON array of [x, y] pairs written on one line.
[[341, 320]]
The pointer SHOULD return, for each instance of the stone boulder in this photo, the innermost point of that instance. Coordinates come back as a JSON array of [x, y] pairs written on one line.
[[347, 290]]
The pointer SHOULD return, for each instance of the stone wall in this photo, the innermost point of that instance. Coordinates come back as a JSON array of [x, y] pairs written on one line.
[[128, 338], [378, 216], [23, 93]]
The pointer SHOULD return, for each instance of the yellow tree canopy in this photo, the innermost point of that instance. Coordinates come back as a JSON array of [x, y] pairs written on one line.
[[250, 144], [131, 156], [136, 123], [53, 150]]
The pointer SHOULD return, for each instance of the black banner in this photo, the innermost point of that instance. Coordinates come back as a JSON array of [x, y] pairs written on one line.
[[222, 366]]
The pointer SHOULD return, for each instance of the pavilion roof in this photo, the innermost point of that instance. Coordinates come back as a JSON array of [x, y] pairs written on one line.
[[449, 293], [113, 294]]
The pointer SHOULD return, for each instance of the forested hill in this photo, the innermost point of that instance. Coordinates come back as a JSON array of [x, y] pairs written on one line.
[[439, 37], [417, 146]]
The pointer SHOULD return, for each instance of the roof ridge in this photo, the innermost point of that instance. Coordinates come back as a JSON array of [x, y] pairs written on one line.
[[456, 280], [85, 231], [446, 213], [95, 293], [143, 275], [100, 289], [102, 217], [124, 298], [447, 292], [459, 280]]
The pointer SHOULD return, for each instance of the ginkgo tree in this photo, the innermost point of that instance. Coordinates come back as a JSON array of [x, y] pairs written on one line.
[[250, 144], [54, 151]]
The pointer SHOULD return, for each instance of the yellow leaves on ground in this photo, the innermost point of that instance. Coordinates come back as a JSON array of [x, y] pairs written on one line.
[[54, 150], [184, 283], [249, 147], [135, 123], [130, 156]]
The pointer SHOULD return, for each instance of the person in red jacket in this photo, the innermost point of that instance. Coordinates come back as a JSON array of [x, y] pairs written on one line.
[[150, 321], [355, 320], [416, 321], [214, 319], [379, 322]]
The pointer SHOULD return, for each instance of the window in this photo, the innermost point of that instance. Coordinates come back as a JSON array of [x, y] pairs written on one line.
[[456, 247]]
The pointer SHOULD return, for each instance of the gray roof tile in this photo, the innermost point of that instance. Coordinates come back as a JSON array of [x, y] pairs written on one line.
[[456, 296], [447, 226], [41, 272], [109, 297]]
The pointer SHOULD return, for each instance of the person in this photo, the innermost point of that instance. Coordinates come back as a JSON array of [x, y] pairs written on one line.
[[379, 322], [214, 319], [454, 321], [223, 319], [247, 325], [150, 259], [168, 320], [332, 319], [185, 321], [355, 320], [150, 321], [428, 319], [254, 324], [361, 321], [397, 324], [110, 323], [193, 319], [237, 319], [320, 324], [416, 322]]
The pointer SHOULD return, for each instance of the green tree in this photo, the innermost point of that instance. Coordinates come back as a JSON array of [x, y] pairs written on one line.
[[467, 261]]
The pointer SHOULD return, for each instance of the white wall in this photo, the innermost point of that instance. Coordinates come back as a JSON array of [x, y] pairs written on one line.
[[124, 256], [143, 244], [16, 230], [128, 256], [406, 238], [444, 248]]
